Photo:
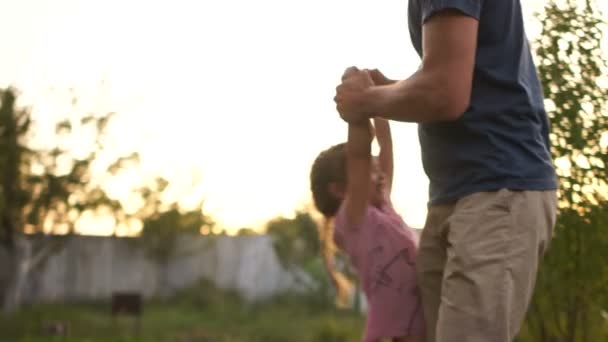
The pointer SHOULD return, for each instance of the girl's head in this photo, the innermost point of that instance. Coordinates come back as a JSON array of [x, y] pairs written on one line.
[[328, 181]]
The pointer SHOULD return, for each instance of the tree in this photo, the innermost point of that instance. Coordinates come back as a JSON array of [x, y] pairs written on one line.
[[162, 228], [245, 231], [44, 190], [571, 290], [295, 240], [301, 244], [162, 222]]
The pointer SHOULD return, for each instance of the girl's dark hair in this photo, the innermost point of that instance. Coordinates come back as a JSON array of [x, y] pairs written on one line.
[[328, 168]]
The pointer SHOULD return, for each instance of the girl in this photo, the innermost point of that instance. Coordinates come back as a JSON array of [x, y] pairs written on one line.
[[353, 189]]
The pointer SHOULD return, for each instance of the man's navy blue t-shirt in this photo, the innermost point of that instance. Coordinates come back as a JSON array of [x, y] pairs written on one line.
[[502, 140]]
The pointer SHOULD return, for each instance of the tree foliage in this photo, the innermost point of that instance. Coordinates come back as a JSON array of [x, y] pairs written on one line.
[[162, 228], [296, 241], [47, 190], [571, 298]]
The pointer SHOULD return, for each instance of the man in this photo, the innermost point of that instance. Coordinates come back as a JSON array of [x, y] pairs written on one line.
[[484, 133]]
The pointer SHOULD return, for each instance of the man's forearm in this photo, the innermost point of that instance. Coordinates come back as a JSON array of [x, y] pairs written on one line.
[[421, 98]]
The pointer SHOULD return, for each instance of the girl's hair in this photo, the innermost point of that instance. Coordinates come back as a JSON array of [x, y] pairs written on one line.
[[330, 168]]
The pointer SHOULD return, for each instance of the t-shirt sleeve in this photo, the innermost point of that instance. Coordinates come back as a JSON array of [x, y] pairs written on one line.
[[471, 8]]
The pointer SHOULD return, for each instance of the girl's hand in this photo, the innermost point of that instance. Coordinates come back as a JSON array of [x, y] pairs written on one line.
[[379, 78]]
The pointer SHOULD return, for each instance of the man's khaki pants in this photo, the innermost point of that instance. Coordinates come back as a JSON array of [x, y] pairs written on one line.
[[477, 263]]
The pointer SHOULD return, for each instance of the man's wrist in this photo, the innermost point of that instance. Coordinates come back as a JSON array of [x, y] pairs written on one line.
[[375, 100]]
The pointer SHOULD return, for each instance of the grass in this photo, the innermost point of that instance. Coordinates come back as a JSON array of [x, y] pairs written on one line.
[[199, 314]]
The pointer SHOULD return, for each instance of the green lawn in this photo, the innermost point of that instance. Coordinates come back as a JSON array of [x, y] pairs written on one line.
[[201, 314]]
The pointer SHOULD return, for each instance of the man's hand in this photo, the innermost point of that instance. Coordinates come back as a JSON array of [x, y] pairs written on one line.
[[351, 95]]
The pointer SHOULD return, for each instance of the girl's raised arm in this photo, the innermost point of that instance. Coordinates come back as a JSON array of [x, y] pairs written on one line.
[[385, 141], [358, 165]]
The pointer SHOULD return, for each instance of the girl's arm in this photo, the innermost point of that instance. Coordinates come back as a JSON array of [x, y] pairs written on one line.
[[358, 164], [385, 141]]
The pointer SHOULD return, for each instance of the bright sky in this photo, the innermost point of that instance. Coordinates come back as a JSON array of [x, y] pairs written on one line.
[[234, 93]]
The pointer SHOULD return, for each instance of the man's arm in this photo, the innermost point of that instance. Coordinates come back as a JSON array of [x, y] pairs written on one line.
[[441, 88]]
